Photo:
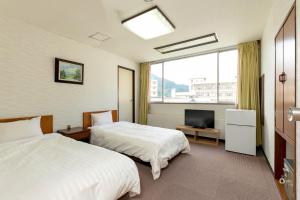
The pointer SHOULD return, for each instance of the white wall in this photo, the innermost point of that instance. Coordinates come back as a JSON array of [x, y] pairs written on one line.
[[278, 13], [170, 115], [27, 84]]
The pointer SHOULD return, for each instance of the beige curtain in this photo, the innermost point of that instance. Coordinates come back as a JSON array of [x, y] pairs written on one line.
[[248, 82], [144, 91]]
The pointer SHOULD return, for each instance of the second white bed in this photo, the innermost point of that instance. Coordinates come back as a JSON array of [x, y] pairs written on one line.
[[150, 144]]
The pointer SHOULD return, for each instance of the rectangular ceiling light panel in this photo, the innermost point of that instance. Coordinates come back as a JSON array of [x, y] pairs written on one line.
[[149, 24], [187, 44]]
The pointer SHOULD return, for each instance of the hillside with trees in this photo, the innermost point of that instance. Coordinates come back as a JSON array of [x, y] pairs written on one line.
[[169, 85]]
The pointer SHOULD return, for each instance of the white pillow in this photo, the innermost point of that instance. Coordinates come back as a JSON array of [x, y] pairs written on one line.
[[102, 118], [22, 129]]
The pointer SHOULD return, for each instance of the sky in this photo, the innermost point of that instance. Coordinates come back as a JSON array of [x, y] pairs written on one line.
[[180, 71]]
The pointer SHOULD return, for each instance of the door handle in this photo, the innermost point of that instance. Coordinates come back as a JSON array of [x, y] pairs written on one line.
[[294, 114], [282, 77]]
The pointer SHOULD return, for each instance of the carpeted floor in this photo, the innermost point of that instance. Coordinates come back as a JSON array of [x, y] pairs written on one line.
[[210, 173]]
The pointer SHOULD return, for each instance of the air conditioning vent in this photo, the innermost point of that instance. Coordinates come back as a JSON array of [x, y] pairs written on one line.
[[99, 37]]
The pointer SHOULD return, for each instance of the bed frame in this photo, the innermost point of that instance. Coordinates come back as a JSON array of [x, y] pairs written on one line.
[[87, 122], [87, 117], [46, 122]]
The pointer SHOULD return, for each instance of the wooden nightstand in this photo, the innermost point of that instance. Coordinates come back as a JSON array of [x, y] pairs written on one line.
[[77, 133]]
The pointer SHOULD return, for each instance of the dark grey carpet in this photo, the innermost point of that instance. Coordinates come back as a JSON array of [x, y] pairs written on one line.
[[210, 173]]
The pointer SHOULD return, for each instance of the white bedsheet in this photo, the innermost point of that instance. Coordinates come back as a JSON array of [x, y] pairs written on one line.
[[150, 144], [54, 167]]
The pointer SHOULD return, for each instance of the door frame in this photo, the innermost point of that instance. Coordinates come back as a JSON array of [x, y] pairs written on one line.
[[133, 90]]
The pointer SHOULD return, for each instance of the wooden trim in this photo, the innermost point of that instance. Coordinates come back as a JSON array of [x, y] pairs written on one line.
[[188, 40], [46, 122], [152, 8], [87, 117], [133, 91], [57, 60], [185, 41]]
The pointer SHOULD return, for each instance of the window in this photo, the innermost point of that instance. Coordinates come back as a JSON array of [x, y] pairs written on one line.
[[209, 78], [156, 83], [228, 76]]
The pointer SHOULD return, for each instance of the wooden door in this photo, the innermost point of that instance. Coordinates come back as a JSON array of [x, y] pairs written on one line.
[[289, 46], [279, 86], [285, 96]]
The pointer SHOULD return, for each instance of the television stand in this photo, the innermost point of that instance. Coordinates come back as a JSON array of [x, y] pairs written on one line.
[[197, 131]]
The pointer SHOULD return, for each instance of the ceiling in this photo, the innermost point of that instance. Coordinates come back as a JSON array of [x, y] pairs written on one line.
[[234, 21]]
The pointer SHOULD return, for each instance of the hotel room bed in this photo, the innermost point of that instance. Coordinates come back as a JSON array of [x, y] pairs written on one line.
[[54, 167], [149, 144]]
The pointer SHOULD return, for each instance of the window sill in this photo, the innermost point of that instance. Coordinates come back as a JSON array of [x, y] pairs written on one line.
[[220, 103]]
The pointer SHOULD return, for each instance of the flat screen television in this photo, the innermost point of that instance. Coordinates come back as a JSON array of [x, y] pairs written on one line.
[[200, 118]]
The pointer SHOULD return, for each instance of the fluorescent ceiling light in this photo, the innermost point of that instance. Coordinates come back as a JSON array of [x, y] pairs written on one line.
[[187, 44], [149, 24]]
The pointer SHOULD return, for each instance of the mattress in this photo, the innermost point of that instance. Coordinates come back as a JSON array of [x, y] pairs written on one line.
[[54, 167], [150, 144]]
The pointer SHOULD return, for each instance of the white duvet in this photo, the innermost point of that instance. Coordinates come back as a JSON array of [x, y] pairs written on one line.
[[54, 167], [150, 144]]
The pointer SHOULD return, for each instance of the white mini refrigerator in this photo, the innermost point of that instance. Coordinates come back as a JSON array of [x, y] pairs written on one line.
[[240, 131]]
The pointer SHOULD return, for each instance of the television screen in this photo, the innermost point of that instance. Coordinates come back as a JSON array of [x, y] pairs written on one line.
[[200, 118]]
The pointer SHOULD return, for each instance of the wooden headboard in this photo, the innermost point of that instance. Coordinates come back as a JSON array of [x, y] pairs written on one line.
[[46, 122], [87, 117]]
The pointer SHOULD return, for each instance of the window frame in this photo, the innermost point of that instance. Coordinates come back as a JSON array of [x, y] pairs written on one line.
[[190, 56]]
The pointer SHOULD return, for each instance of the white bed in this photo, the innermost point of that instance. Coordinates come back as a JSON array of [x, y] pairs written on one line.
[[149, 144], [54, 167]]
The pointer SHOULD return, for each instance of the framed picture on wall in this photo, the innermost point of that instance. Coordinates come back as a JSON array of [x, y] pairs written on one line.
[[68, 71]]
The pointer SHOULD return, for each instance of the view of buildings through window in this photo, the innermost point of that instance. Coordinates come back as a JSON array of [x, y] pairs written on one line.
[[209, 78]]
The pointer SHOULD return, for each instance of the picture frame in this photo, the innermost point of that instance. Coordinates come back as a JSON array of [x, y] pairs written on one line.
[[67, 71]]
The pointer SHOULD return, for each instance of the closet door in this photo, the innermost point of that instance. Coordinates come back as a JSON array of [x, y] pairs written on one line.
[[289, 46], [279, 86]]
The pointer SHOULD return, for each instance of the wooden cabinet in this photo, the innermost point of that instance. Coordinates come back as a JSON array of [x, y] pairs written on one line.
[[279, 86], [197, 131], [289, 49], [77, 133], [285, 97], [285, 78]]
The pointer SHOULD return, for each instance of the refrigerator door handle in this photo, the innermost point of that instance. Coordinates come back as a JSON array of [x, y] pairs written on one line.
[[240, 125]]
